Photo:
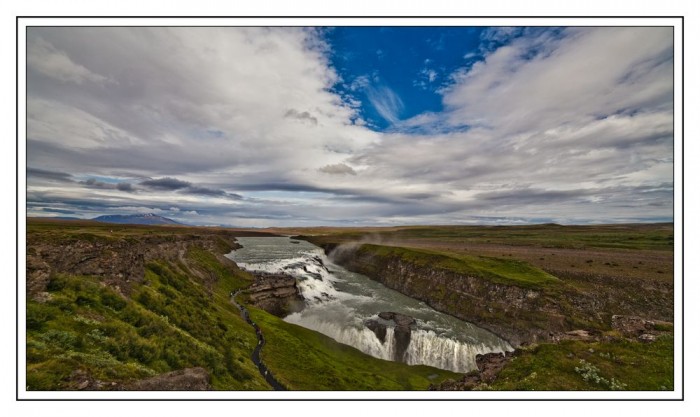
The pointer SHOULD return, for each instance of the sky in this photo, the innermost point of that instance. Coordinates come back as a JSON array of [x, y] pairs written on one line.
[[349, 126]]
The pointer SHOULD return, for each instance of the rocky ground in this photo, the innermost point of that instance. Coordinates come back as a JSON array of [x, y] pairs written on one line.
[[490, 365], [188, 379], [118, 262]]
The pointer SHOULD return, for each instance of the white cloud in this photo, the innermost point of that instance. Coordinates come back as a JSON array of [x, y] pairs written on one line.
[[178, 85], [548, 80], [55, 122], [567, 124], [46, 59]]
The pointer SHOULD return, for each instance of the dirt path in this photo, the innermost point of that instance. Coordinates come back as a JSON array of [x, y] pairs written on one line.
[[264, 371]]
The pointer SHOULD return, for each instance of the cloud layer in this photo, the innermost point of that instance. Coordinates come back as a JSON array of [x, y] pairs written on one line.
[[241, 126]]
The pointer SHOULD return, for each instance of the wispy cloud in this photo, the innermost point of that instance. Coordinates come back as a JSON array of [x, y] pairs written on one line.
[[50, 61], [49, 175], [426, 77], [387, 103]]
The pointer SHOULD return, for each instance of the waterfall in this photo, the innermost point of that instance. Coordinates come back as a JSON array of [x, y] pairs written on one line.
[[362, 339], [339, 303], [426, 348]]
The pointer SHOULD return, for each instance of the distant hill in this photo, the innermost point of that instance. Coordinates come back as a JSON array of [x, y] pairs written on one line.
[[148, 218]]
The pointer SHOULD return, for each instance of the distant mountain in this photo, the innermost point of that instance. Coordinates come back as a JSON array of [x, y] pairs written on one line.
[[148, 218]]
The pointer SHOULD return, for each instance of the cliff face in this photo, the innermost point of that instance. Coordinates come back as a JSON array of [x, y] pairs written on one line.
[[118, 262], [277, 294], [516, 314]]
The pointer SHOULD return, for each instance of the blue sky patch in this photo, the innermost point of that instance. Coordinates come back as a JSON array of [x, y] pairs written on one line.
[[397, 72]]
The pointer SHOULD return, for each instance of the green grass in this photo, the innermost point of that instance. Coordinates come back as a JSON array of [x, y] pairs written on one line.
[[498, 270], [641, 237], [621, 364], [657, 236], [64, 231], [231, 277], [172, 321], [302, 359]]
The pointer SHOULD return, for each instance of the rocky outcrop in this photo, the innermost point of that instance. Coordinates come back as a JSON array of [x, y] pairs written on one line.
[[643, 330], [378, 328], [488, 367], [277, 294], [401, 320], [402, 331], [632, 326], [582, 335]]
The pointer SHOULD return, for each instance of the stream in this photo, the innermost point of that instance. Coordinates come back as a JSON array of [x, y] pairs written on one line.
[[262, 368]]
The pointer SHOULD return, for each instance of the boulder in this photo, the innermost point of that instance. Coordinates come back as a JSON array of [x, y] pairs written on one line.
[[582, 334], [646, 338], [631, 326], [398, 318], [490, 364], [585, 335]]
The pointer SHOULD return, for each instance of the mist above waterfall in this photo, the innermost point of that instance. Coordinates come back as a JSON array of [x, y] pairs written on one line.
[[347, 248]]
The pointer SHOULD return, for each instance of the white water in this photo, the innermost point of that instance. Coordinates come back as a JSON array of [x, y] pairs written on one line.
[[338, 302]]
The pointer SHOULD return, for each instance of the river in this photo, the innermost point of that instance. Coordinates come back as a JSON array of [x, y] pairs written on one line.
[[339, 303]]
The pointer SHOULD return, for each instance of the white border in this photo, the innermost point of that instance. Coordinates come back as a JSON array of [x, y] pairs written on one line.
[[406, 395], [347, 21]]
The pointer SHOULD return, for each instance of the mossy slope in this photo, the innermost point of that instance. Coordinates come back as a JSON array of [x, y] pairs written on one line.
[[574, 365], [172, 321]]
